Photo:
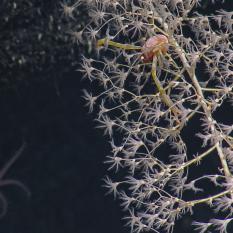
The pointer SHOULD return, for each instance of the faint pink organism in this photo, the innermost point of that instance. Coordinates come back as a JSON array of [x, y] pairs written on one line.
[[6, 182]]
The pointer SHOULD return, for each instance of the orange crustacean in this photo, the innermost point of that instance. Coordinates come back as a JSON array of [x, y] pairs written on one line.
[[153, 47]]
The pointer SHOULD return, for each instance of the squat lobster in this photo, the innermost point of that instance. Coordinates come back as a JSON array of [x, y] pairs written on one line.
[[155, 47]]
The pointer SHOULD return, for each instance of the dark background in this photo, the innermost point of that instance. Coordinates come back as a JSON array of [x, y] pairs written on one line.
[[41, 104]]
